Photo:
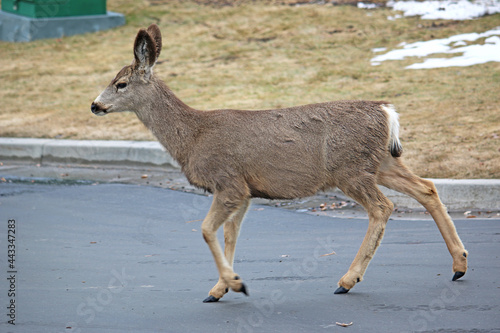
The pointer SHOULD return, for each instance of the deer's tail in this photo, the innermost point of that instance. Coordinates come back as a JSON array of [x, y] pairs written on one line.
[[395, 146]]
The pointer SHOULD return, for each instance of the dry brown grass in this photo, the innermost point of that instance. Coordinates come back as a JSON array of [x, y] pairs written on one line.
[[256, 56]]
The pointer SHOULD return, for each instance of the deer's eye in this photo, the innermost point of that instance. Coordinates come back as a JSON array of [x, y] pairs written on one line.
[[121, 85]]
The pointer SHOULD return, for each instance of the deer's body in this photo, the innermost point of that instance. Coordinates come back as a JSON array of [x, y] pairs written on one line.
[[278, 154], [275, 154]]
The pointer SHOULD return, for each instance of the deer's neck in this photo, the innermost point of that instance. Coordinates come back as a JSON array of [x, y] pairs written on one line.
[[171, 121]]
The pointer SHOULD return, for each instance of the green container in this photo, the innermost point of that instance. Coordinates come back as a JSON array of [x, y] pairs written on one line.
[[54, 8]]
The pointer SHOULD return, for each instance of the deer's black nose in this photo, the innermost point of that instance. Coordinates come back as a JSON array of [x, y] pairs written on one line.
[[99, 109]]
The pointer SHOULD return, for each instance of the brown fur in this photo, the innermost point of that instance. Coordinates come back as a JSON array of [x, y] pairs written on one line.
[[277, 154]]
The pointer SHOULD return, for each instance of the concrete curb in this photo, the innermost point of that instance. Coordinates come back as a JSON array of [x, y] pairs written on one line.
[[86, 152], [456, 194]]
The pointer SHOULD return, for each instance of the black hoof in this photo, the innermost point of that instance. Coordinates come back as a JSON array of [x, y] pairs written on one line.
[[211, 299], [457, 276], [341, 290], [244, 289]]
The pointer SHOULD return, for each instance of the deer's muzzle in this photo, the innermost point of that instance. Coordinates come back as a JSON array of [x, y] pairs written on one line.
[[99, 109]]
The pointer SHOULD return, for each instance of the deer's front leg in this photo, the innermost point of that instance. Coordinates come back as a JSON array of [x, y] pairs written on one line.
[[231, 233], [230, 213]]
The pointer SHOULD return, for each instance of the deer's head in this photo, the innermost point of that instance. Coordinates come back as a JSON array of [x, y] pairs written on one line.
[[128, 90]]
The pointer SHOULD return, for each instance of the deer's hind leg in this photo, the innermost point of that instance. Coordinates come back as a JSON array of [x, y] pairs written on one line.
[[365, 191], [231, 233], [395, 175]]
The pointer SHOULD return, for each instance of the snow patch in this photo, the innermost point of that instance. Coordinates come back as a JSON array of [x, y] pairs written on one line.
[[367, 5], [446, 10], [471, 54]]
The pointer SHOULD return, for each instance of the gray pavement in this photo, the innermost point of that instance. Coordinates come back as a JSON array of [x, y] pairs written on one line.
[[93, 257]]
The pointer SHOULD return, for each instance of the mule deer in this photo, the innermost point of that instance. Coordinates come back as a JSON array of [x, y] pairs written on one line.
[[277, 154]]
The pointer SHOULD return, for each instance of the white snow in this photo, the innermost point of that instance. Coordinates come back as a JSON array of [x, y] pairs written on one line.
[[446, 10], [469, 47], [367, 5], [395, 17]]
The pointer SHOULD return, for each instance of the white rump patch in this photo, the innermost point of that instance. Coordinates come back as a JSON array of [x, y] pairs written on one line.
[[393, 122]]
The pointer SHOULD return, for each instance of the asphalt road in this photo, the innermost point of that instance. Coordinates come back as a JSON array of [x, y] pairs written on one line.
[[128, 258]]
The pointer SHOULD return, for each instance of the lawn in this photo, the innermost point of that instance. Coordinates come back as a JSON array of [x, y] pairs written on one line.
[[264, 54]]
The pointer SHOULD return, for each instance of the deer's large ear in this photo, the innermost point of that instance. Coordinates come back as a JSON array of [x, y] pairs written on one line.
[[144, 51], [154, 32]]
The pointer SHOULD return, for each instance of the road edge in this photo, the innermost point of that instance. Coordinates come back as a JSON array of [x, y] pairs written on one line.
[[455, 193]]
